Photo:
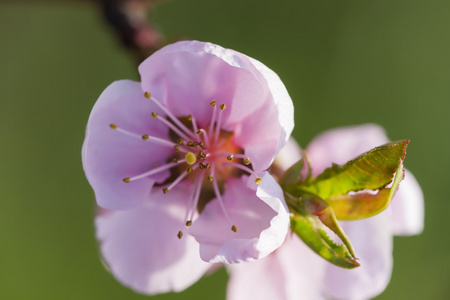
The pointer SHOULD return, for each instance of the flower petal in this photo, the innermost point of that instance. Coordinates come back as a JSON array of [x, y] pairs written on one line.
[[262, 221], [291, 272], [372, 241], [407, 207], [109, 155], [142, 248], [187, 75], [342, 144]]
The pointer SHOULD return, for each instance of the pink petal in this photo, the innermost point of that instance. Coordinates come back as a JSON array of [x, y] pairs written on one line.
[[288, 155], [342, 144], [262, 221], [372, 241], [407, 207], [292, 272], [109, 155], [142, 248], [188, 75]]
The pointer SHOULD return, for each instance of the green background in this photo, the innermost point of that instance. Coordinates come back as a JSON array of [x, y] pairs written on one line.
[[343, 62]]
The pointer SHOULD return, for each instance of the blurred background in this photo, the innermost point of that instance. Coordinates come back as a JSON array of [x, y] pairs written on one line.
[[343, 62]]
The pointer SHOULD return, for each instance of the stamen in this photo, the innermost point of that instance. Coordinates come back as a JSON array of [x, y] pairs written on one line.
[[113, 126], [154, 171], [179, 234], [169, 114], [173, 127], [179, 178], [205, 136], [195, 198], [230, 157], [246, 169], [219, 121], [160, 141], [213, 118], [246, 161], [194, 126], [222, 206]]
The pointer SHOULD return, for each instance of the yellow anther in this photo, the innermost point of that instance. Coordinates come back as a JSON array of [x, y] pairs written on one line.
[[199, 131], [113, 126], [189, 170], [212, 103], [175, 160], [201, 166], [126, 179], [189, 117], [190, 158], [154, 115], [229, 157], [145, 137], [222, 106], [176, 147], [246, 161], [188, 223], [258, 180], [234, 228], [207, 166], [180, 141], [201, 155], [210, 178], [180, 234], [147, 95], [165, 190]]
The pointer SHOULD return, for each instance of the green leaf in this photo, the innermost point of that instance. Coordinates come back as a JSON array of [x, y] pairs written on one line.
[[363, 205], [308, 228], [372, 170], [292, 175]]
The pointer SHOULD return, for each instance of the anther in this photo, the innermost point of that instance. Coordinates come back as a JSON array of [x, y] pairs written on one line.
[[212, 103], [246, 161], [234, 228], [165, 190], [180, 141], [147, 95], [207, 166], [113, 126], [126, 179], [258, 180], [189, 117], [210, 178], [201, 155], [222, 106], [145, 137], [190, 158], [176, 147], [199, 131], [180, 234], [188, 223], [201, 166], [154, 115], [189, 170], [175, 160], [230, 157]]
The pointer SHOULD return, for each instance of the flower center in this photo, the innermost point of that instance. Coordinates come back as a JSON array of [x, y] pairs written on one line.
[[204, 156]]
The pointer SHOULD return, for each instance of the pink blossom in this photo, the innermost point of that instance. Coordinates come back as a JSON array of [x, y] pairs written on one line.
[[295, 272], [178, 162]]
